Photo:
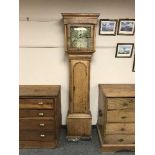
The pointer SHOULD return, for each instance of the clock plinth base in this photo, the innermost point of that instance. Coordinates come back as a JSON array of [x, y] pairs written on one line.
[[79, 126]]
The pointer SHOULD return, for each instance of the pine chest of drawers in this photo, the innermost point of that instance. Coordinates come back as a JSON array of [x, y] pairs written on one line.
[[116, 119], [39, 116]]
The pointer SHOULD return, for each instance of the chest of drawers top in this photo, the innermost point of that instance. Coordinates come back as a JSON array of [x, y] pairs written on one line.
[[118, 90], [26, 91]]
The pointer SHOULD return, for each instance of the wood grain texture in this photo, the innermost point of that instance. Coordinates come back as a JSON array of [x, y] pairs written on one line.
[[79, 125], [120, 116], [37, 124], [36, 103], [117, 147], [79, 109], [38, 144], [34, 135], [120, 103], [38, 90], [118, 90], [40, 116], [80, 19], [79, 79], [119, 139], [80, 88], [36, 113], [76, 18], [113, 147], [116, 117], [120, 128]]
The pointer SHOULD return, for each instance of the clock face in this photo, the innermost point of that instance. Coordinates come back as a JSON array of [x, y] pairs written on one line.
[[80, 37]]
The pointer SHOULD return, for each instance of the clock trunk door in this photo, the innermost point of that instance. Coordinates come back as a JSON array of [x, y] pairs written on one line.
[[80, 86]]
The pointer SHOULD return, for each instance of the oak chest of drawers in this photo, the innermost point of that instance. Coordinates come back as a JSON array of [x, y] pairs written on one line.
[[116, 119], [39, 116]]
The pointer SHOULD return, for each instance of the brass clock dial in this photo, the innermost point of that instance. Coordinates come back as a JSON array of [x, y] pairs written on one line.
[[80, 37]]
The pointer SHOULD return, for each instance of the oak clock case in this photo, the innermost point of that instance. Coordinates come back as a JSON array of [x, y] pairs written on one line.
[[80, 32]]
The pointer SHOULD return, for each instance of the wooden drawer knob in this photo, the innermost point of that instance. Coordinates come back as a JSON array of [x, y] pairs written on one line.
[[122, 129], [40, 103], [42, 124], [123, 117], [121, 140], [42, 135], [41, 114], [125, 104]]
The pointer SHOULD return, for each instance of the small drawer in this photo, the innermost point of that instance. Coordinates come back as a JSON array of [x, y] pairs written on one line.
[[36, 113], [120, 116], [36, 103], [25, 135], [119, 139], [120, 103], [120, 128], [30, 124]]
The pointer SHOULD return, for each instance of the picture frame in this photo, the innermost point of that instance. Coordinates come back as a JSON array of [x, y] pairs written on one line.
[[133, 67], [124, 50], [126, 27], [107, 27]]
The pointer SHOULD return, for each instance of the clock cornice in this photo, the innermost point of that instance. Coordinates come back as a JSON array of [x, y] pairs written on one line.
[[81, 18]]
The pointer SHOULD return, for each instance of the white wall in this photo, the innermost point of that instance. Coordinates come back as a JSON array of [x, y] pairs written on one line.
[[50, 65]]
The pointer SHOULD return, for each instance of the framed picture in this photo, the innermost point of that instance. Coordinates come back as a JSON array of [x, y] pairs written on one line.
[[107, 27], [126, 27], [133, 67], [124, 50]]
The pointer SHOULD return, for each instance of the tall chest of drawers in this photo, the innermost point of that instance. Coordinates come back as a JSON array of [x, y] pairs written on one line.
[[39, 116], [116, 117]]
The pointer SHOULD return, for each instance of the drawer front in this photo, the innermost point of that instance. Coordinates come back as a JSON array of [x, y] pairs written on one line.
[[120, 103], [36, 103], [120, 116], [36, 135], [120, 128], [38, 144], [119, 139], [36, 113], [37, 124]]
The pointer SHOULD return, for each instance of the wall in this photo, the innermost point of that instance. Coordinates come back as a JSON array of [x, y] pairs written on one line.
[[47, 66]]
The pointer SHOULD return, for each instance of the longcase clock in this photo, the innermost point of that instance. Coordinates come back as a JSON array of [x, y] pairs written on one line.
[[80, 34]]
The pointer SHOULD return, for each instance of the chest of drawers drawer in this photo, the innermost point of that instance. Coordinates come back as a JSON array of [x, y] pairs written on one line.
[[120, 116], [116, 117], [37, 124], [36, 135], [36, 103], [120, 128], [119, 139], [120, 103], [39, 116], [36, 113]]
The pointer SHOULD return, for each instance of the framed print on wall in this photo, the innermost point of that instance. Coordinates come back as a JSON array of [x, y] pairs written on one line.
[[133, 67], [124, 50], [107, 27], [126, 27]]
